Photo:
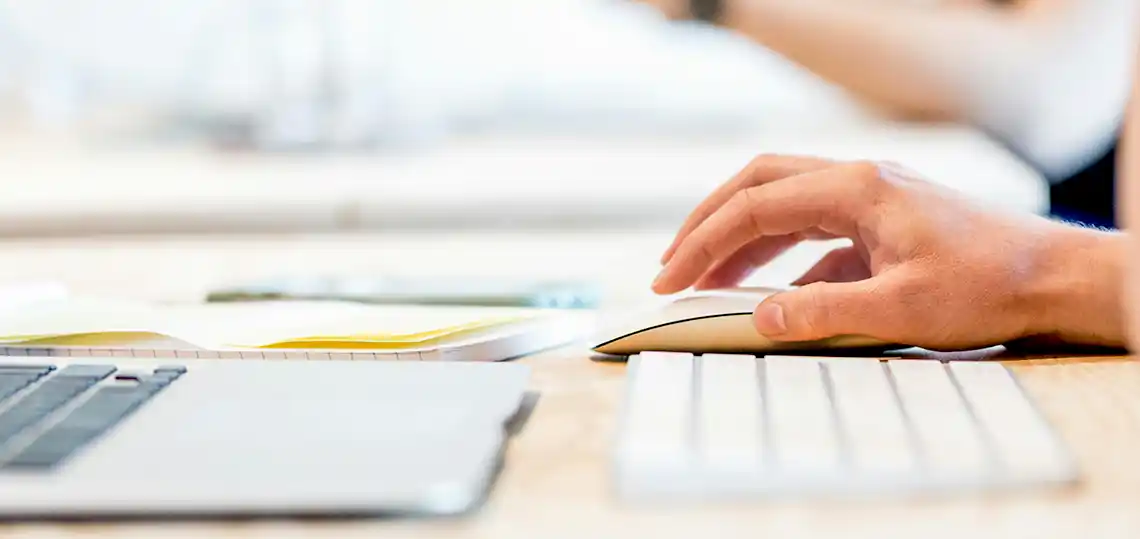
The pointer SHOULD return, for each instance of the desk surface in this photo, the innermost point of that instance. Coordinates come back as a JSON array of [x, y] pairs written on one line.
[[555, 483], [60, 186]]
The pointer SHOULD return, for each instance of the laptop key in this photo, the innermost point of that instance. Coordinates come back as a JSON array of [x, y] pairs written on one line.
[[34, 460], [50, 396], [12, 383], [106, 408], [92, 372], [15, 367]]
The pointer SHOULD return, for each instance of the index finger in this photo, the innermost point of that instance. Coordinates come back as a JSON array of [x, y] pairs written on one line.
[[761, 170], [832, 200]]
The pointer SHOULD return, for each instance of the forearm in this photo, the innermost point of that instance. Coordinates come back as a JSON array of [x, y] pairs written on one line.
[[916, 60], [1076, 294]]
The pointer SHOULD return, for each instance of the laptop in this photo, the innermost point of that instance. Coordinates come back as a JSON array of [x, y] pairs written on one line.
[[97, 438]]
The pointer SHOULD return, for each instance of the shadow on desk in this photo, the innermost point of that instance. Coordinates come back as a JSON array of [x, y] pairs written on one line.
[[1038, 350]]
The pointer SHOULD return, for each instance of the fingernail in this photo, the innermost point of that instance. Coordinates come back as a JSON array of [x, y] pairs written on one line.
[[769, 319], [661, 279]]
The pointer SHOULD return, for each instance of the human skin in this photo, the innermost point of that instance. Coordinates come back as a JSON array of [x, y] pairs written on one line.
[[927, 267], [1129, 207]]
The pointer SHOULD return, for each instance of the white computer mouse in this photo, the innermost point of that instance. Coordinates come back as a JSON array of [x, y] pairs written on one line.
[[712, 321]]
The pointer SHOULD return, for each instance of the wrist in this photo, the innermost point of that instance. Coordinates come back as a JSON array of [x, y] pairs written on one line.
[[1074, 292]]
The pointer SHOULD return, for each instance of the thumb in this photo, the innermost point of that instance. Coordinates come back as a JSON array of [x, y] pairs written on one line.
[[821, 310]]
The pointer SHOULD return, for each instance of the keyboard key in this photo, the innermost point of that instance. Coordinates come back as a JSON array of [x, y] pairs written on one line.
[[91, 372], [659, 409], [106, 408], [48, 397], [152, 382], [801, 422], [175, 369], [1025, 445], [153, 386], [11, 367], [729, 423], [11, 383], [166, 374], [31, 461], [826, 425], [160, 378], [869, 416], [949, 440]]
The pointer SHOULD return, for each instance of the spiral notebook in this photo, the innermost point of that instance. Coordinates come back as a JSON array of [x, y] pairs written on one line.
[[281, 330]]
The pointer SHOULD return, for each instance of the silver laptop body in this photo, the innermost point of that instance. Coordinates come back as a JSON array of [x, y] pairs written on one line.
[[248, 438]]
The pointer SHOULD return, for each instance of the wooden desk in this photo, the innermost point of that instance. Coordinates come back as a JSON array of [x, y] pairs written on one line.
[[555, 483]]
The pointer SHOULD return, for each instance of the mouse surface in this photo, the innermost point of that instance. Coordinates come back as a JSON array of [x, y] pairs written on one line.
[[714, 321]]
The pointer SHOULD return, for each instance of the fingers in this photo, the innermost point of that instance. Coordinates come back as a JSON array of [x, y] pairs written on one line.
[[839, 266], [835, 200], [763, 169], [734, 269], [823, 310], [672, 9]]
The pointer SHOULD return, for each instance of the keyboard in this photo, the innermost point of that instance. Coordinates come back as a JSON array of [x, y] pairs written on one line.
[[48, 413], [717, 426]]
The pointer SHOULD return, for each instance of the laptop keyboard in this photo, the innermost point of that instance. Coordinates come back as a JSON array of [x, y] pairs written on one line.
[[718, 425], [49, 413]]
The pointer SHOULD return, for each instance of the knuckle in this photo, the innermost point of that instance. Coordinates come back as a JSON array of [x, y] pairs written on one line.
[[705, 253], [766, 160], [866, 182], [894, 172], [767, 166], [740, 205], [751, 204], [867, 173], [739, 200]]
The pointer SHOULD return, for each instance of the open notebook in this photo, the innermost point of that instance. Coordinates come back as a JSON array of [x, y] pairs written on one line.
[[288, 329]]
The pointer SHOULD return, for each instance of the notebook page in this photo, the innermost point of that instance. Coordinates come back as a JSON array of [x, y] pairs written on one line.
[[329, 324], [250, 325]]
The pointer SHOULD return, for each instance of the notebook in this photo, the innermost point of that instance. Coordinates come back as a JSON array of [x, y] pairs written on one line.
[[282, 330]]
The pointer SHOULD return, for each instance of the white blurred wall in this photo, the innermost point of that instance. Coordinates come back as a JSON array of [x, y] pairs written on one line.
[[347, 72], [358, 70]]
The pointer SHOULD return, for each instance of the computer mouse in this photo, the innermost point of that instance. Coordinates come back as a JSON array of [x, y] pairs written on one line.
[[714, 321]]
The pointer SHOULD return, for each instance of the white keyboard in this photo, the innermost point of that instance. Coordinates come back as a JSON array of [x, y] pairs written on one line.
[[736, 425]]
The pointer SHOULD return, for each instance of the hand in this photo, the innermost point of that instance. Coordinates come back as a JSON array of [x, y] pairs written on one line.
[[676, 10], [927, 267]]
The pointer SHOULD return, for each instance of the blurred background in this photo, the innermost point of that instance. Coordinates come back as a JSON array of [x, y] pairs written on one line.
[[382, 74], [280, 115]]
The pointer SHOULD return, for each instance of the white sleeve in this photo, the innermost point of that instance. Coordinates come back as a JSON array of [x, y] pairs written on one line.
[[1063, 104]]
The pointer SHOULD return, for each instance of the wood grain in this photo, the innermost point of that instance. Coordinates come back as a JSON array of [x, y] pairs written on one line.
[[556, 481]]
